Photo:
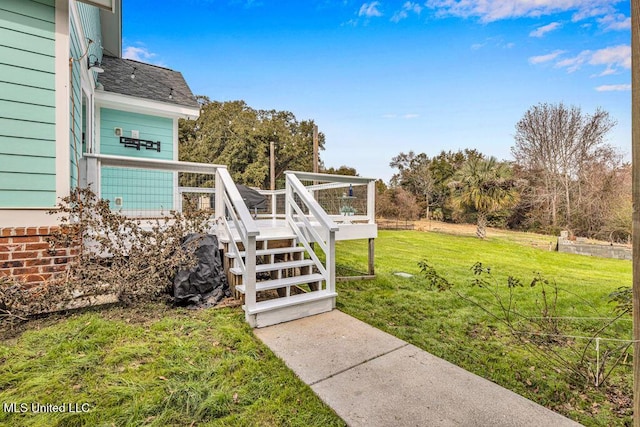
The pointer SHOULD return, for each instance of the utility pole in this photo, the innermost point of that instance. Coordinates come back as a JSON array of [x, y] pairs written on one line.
[[272, 164], [315, 149], [635, 150]]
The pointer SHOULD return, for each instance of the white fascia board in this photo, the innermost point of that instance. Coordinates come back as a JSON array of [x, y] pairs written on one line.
[[102, 4], [144, 106]]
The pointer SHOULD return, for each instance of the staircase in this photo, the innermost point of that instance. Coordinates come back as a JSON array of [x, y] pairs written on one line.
[[287, 284], [272, 265]]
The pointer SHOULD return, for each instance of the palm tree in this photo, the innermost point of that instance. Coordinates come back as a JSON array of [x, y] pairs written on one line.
[[486, 186]]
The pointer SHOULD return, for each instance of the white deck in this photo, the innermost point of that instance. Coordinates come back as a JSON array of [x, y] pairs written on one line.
[[273, 228]]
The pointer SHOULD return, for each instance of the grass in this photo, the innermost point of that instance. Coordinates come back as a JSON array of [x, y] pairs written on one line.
[[447, 325], [153, 366]]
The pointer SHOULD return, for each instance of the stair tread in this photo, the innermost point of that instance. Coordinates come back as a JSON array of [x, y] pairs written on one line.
[[261, 268], [262, 238], [281, 283], [276, 303], [272, 251]]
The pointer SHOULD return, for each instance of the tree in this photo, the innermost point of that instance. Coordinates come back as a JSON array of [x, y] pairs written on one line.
[[342, 170], [236, 135], [396, 203], [428, 178], [484, 186], [555, 144]]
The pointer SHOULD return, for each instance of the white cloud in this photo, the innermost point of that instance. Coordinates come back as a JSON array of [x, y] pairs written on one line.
[[545, 58], [607, 72], [370, 10], [399, 16], [477, 46], [574, 64], [615, 22], [541, 31], [411, 116], [613, 57], [610, 88], [407, 8], [141, 54], [494, 10]]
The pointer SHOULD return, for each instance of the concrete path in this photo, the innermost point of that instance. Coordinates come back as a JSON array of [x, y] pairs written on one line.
[[371, 378]]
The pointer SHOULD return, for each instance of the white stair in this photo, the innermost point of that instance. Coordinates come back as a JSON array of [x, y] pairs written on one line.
[[280, 265], [266, 285], [284, 265], [272, 312], [274, 251]]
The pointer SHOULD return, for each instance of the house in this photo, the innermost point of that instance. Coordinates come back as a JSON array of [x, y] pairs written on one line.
[[73, 113], [65, 91]]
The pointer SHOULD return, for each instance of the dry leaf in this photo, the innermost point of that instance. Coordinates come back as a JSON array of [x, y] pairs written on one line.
[[235, 397], [162, 378]]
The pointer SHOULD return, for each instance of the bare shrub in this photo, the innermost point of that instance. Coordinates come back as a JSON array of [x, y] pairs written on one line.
[[130, 259]]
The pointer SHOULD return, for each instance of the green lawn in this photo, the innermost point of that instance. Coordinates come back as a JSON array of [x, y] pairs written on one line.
[[155, 366], [450, 327]]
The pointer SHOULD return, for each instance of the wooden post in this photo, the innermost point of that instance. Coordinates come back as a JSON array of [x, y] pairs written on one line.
[[315, 149], [315, 157], [371, 270], [272, 164], [635, 149]]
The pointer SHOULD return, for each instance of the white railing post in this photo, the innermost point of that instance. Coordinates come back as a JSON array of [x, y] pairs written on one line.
[[274, 205], [371, 201], [218, 209], [288, 194], [249, 279], [331, 262]]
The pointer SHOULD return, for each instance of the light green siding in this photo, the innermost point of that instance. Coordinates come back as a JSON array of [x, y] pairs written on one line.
[[150, 127], [140, 190], [87, 28], [75, 104], [27, 103]]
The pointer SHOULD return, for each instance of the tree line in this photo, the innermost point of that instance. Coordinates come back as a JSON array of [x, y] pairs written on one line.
[[564, 176], [238, 136]]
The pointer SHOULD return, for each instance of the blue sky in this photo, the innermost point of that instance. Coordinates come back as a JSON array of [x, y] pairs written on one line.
[[381, 77]]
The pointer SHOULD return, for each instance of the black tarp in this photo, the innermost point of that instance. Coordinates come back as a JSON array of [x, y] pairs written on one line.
[[205, 283], [253, 199]]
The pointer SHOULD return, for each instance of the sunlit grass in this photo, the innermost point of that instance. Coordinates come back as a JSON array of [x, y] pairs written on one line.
[[448, 326]]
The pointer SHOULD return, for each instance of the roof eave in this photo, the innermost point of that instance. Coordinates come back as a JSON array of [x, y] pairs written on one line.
[[145, 106]]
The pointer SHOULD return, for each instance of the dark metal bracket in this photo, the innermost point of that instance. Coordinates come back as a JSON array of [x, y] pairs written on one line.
[[137, 143]]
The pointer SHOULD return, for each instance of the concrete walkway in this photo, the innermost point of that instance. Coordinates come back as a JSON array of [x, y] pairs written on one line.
[[371, 378]]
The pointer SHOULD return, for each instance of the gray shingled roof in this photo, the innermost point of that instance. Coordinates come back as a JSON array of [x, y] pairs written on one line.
[[151, 82]]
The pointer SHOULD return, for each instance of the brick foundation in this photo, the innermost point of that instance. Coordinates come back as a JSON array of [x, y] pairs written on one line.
[[25, 254]]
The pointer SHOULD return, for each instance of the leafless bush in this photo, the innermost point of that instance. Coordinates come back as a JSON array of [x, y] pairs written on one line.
[[131, 259]]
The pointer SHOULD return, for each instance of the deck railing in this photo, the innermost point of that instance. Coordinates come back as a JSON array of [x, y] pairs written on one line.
[[345, 198], [150, 188], [229, 204], [302, 213]]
